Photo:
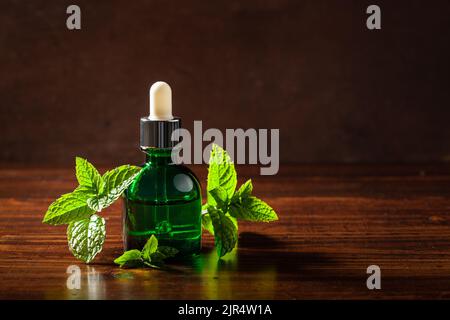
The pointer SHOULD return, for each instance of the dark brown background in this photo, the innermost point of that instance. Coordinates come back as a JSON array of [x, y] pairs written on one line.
[[337, 91]]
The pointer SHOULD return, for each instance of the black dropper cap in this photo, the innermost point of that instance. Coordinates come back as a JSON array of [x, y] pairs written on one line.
[[158, 133]]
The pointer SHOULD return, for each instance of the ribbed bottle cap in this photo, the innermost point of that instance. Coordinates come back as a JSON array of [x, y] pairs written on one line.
[[158, 133]]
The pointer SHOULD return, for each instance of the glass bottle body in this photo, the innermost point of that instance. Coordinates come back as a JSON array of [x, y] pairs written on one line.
[[164, 200]]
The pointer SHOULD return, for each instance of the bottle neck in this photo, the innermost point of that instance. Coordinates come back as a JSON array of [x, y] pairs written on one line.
[[157, 156]]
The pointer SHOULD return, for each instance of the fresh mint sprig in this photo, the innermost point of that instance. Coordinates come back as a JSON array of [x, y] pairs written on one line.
[[225, 205], [151, 255], [86, 231]]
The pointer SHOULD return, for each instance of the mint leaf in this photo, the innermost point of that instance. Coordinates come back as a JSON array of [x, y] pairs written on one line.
[[234, 220], [221, 175], [115, 182], [150, 247], [220, 199], [119, 178], [207, 223], [86, 237], [68, 208], [245, 190], [87, 175], [168, 252], [253, 209], [225, 231], [84, 192], [130, 259], [98, 203], [151, 255], [157, 259]]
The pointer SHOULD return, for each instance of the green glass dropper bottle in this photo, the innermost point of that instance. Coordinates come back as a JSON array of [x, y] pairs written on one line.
[[165, 198]]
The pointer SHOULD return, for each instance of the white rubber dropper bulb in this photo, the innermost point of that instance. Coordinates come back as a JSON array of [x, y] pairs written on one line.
[[160, 101]]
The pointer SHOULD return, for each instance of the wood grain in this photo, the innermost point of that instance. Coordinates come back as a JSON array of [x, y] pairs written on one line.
[[335, 221]]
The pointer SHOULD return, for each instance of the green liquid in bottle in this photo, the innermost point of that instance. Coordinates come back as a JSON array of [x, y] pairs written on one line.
[[165, 201]]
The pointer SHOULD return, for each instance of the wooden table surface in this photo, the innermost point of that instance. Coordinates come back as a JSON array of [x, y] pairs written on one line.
[[335, 221]]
